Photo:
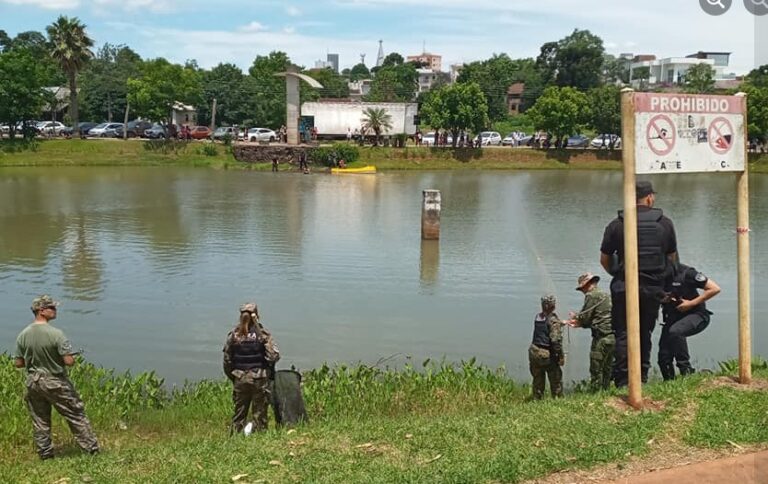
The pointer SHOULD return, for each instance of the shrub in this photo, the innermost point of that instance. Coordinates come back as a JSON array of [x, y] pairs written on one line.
[[165, 146], [329, 155], [208, 149]]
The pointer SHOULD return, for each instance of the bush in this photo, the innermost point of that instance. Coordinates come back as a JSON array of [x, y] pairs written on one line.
[[208, 149], [329, 155], [18, 145], [165, 146]]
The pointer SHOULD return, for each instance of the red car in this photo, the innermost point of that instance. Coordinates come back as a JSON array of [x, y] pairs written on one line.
[[200, 132]]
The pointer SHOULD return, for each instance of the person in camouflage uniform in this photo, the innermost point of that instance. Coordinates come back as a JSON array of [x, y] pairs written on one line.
[[45, 353], [250, 354], [545, 355], [596, 315]]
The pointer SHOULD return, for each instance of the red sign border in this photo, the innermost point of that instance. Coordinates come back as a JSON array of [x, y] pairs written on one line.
[[709, 137], [672, 129]]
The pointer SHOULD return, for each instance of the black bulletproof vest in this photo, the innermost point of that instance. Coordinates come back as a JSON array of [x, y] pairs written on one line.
[[651, 259], [249, 354], [541, 331]]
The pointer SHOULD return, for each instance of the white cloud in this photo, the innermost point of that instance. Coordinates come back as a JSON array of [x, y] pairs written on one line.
[[292, 11], [289, 30], [252, 27], [47, 4]]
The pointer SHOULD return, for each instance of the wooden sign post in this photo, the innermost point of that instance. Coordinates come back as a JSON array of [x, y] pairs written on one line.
[[683, 133]]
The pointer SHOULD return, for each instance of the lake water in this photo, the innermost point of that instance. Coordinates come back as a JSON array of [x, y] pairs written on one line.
[[151, 264]]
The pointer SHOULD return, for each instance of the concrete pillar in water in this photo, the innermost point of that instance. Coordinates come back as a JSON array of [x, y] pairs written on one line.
[[430, 215], [292, 108]]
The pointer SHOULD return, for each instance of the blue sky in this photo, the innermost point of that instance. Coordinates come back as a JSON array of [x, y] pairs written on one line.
[[460, 30]]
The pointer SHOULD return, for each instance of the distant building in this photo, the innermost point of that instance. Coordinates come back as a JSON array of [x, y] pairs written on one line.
[[333, 60], [183, 114], [515, 98], [358, 89], [321, 64], [455, 71], [427, 78], [670, 71], [56, 103], [380, 55], [430, 61]]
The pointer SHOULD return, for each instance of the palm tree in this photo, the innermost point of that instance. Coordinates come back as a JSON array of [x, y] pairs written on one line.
[[71, 49], [376, 120]]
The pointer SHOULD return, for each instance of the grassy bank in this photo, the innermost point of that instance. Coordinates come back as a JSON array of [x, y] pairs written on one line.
[[442, 423], [127, 153]]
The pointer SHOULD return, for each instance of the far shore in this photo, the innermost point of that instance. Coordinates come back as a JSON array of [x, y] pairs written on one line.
[[217, 156]]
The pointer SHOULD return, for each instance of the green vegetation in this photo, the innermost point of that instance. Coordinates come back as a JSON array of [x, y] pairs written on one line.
[[329, 155], [437, 422], [456, 107]]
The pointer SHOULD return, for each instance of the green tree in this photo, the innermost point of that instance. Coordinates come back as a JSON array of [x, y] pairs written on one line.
[[393, 59], [376, 120], [359, 71], [268, 91], [21, 87], [757, 112], [35, 43], [605, 110], [334, 85], [394, 83], [578, 60], [456, 107], [758, 77], [227, 84], [699, 79], [104, 81], [615, 70], [161, 85], [71, 48], [642, 74], [560, 111]]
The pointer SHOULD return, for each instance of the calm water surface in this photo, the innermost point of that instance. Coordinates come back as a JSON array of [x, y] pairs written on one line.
[[152, 263]]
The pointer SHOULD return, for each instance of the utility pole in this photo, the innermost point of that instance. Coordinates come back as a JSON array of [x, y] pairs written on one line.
[[125, 121], [213, 115]]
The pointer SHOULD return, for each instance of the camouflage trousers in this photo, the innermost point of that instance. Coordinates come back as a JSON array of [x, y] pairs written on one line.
[[601, 361], [542, 368], [250, 392], [47, 391]]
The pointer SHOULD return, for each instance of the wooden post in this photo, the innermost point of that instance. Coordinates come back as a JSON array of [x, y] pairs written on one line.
[[630, 248], [430, 215], [742, 247], [125, 120], [213, 115]]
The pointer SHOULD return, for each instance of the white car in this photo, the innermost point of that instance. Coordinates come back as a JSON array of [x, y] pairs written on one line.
[[604, 141], [104, 129], [429, 139], [50, 128], [262, 134], [489, 138]]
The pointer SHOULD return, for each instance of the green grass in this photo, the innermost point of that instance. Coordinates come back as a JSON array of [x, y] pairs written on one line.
[[125, 153], [437, 423]]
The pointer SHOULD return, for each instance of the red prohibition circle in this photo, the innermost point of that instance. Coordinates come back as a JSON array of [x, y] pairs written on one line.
[[661, 131], [719, 143]]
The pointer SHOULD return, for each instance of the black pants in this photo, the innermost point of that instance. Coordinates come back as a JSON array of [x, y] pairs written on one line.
[[649, 312], [673, 346]]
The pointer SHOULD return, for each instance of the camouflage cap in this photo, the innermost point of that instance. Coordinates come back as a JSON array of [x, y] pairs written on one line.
[[549, 301], [585, 279], [248, 308], [42, 302]]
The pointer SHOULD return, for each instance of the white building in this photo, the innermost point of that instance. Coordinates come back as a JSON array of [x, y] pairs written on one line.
[[427, 78], [183, 114], [671, 70], [358, 89]]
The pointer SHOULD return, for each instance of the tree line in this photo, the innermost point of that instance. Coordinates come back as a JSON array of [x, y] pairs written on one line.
[[571, 85]]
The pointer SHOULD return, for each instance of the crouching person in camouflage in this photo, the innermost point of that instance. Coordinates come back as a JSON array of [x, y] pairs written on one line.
[[46, 353], [249, 358], [596, 315], [545, 354]]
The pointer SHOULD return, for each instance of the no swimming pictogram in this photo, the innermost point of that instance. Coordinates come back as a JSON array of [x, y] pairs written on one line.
[[721, 135], [661, 134]]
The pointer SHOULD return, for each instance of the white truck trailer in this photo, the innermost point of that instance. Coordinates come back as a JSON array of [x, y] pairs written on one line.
[[334, 119]]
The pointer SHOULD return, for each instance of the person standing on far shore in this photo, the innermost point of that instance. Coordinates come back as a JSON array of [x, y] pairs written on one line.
[[46, 353]]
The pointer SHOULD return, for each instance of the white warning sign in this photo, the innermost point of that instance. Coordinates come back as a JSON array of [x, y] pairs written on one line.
[[684, 133]]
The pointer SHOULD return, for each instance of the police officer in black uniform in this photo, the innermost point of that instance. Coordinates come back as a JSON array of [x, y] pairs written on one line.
[[685, 314], [657, 251]]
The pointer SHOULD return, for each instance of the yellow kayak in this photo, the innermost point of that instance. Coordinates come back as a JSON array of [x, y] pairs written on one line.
[[363, 170]]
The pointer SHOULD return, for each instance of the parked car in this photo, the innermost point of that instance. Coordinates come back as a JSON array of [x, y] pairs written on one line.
[[156, 131], [578, 141], [429, 139], [262, 134], [104, 130], [85, 126], [223, 131], [489, 138], [200, 132], [605, 140], [514, 138], [134, 128]]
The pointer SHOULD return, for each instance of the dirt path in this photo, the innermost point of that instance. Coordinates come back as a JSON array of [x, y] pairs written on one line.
[[744, 469]]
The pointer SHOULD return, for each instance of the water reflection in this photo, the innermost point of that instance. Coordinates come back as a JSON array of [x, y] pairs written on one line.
[[429, 263]]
